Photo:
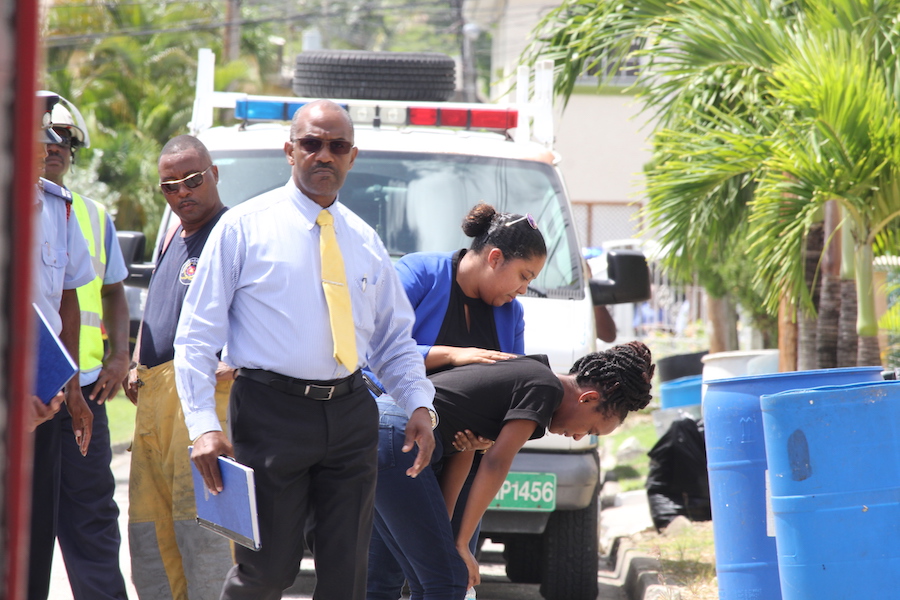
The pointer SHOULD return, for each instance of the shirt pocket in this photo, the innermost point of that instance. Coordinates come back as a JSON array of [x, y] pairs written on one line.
[[53, 270], [364, 279], [365, 305]]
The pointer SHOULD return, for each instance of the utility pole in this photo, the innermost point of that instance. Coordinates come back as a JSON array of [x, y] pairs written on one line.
[[465, 36], [232, 30], [470, 32]]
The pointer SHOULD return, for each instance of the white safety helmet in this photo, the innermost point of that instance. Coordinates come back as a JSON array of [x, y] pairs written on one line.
[[46, 135], [61, 117]]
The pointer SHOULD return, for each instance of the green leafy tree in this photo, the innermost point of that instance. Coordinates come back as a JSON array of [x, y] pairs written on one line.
[[702, 63], [744, 123], [130, 69], [841, 142]]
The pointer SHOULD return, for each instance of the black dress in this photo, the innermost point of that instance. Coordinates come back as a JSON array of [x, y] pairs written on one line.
[[481, 332]]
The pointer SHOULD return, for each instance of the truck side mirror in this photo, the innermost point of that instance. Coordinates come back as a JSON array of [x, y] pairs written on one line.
[[132, 244], [629, 279]]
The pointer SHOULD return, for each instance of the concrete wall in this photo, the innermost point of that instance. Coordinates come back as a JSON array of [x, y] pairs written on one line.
[[603, 142]]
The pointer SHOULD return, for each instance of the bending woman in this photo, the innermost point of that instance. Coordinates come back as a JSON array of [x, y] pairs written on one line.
[[510, 402]]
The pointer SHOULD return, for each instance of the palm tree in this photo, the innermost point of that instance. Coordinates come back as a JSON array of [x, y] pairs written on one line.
[[712, 71], [702, 62], [842, 143]]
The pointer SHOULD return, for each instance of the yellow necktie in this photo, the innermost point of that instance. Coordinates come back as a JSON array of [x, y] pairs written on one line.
[[337, 295]]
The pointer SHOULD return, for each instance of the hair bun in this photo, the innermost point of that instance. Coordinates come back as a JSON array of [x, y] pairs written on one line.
[[479, 220]]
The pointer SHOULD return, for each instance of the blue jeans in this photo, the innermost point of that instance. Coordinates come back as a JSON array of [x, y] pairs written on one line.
[[411, 538]]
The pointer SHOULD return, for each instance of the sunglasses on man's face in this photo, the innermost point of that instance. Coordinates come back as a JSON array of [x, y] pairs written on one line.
[[66, 135], [191, 181], [313, 145]]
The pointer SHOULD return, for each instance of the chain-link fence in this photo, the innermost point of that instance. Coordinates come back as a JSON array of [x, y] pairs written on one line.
[[600, 222]]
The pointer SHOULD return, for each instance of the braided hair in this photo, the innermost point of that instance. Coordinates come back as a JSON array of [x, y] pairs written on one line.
[[511, 233], [621, 374]]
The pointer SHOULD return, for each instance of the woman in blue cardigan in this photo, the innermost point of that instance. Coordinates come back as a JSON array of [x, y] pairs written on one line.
[[465, 301], [466, 312]]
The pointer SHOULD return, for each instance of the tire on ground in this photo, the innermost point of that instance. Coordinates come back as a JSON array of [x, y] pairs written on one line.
[[359, 74], [524, 557], [571, 554]]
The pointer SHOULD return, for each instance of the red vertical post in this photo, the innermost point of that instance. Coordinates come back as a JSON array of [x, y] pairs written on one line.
[[19, 358]]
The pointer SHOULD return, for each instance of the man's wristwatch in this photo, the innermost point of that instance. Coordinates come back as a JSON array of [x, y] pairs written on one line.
[[434, 417]]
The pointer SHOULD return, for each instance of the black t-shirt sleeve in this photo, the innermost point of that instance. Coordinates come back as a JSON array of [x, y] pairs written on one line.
[[483, 397], [534, 403]]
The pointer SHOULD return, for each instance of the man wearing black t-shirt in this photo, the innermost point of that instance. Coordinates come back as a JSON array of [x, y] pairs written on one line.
[[171, 557]]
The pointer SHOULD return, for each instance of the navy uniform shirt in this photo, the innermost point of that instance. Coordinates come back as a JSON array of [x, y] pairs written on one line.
[[173, 275]]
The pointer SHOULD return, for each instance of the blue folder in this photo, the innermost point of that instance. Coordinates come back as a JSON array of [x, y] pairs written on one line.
[[231, 512], [54, 366]]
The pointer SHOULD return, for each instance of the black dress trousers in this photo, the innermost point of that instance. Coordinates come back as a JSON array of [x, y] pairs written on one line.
[[315, 464]]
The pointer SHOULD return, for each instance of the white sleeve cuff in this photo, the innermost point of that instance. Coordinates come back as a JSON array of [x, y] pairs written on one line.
[[202, 421], [417, 401]]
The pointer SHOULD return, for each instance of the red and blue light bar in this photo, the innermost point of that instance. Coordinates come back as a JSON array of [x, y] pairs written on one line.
[[428, 114]]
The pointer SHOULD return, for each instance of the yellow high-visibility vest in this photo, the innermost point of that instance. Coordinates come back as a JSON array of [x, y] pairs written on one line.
[[91, 217]]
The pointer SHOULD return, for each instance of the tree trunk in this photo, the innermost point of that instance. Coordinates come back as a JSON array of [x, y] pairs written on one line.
[[827, 326], [830, 300], [723, 321], [787, 336], [806, 351], [848, 339], [806, 341], [869, 352], [866, 322]]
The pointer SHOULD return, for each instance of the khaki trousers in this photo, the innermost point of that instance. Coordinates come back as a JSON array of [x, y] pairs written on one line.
[[172, 558]]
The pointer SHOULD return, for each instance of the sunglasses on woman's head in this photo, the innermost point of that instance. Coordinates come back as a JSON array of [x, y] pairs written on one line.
[[527, 218], [313, 145], [191, 181]]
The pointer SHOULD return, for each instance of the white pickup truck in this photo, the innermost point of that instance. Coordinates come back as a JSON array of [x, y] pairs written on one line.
[[413, 181]]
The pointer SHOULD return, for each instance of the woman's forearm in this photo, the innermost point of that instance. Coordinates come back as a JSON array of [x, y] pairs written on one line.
[[453, 475], [491, 473]]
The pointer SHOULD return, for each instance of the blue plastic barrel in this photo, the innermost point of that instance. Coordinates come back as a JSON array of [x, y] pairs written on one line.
[[683, 391], [834, 477], [746, 559]]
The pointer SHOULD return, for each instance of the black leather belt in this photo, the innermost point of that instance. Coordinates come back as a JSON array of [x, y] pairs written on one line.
[[317, 390]]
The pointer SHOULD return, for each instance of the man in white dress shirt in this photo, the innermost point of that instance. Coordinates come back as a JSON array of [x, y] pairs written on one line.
[[303, 420]]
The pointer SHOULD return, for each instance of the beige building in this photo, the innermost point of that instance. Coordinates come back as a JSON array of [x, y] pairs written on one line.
[[602, 138]]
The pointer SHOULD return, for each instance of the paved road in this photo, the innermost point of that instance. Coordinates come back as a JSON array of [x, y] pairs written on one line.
[[494, 586]]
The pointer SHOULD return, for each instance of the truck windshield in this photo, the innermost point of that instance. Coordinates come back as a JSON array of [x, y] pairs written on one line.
[[416, 201]]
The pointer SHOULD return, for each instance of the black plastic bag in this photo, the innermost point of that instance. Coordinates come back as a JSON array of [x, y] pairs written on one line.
[[678, 481]]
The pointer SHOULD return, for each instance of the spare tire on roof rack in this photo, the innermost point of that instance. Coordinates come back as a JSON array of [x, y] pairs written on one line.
[[360, 74]]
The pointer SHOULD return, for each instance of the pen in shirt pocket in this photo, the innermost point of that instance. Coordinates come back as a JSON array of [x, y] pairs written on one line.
[[365, 280]]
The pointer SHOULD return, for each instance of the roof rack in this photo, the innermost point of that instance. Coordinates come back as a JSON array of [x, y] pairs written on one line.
[[512, 119]]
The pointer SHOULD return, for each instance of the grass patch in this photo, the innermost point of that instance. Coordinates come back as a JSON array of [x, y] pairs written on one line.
[[622, 472], [120, 412], [686, 555], [638, 425], [631, 471]]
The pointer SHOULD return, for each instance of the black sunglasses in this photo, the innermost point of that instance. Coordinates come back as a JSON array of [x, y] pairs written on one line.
[[191, 181], [313, 145], [67, 140]]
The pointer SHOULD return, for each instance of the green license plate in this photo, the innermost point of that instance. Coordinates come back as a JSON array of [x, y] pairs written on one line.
[[527, 491]]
